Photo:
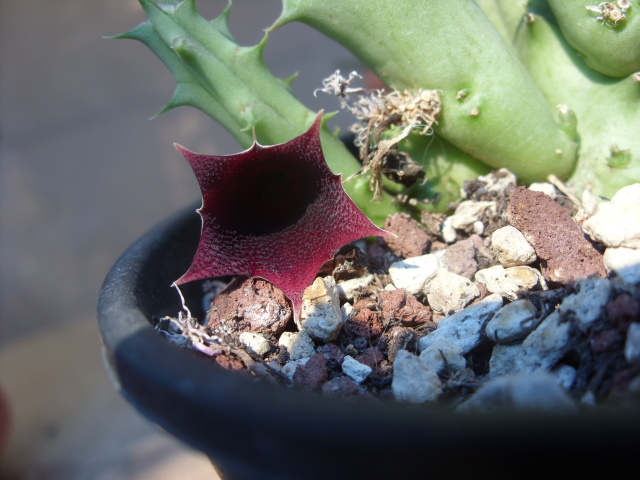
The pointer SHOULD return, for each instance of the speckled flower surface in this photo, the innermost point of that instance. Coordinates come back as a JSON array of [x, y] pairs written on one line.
[[273, 212]]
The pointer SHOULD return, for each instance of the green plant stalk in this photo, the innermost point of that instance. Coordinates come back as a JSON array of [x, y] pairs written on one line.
[[450, 45], [446, 168], [232, 84], [611, 50], [603, 110], [505, 15], [607, 110]]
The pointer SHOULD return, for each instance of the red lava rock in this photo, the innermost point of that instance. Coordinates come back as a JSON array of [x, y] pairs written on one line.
[[312, 374], [332, 354], [438, 245], [460, 258], [411, 240], [365, 323], [231, 364], [621, 382], [250, 304], [623, 310], [432, 223], [372, 357], [401, 305], [607, 340], [565, 253], [341, 386]]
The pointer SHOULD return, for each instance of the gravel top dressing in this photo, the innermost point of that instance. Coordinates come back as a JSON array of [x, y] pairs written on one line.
[[523, 298]]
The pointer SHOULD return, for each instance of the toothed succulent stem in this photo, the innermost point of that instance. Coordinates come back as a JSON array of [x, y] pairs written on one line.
[[233, 85], [538, 86]]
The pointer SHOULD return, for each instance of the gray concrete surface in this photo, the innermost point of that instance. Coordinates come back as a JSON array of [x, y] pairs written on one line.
[[83, 173]]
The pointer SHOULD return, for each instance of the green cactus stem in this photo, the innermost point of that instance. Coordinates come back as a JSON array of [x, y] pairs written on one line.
[[451, 46], [607, 110], [446, 168], [232, 84], [606, 34], [520, 84]]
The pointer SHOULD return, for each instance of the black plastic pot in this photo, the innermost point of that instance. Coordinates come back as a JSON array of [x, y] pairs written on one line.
[[257, 431]]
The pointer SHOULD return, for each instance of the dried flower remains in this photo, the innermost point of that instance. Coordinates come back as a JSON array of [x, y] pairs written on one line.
[[384, 120]]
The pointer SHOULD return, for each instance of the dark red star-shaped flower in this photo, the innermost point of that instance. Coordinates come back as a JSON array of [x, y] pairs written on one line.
[[273, 212]]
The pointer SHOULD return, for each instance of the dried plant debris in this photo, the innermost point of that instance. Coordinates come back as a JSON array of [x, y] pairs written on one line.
[[462, 317], [384, 120], [610, 13]]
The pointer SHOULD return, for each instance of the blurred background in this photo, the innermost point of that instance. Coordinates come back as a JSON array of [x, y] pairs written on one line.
[[84, 173]]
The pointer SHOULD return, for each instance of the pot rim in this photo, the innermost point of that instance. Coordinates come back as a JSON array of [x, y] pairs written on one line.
[[214, 410]]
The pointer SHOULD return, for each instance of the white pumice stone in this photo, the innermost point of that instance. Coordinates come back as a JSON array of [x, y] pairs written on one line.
[[589, 202], [466, 326], [469, 212], [348, 288], [624, 262], [632, 344], [586, 305], [565, 375], [449, 234], [298, 344], [440, 255], [346, 310], [511, 247], [525, 278], [443, 354], [617, 223], [511, 282], [499, 180], [356, 370], [320, 315], [546, 344], [588, 399], [530, 391], [289, 368], [503, 359], [448, 292], [411, 274], [255, 342], [512, 322], [544, 187], [412, 381]]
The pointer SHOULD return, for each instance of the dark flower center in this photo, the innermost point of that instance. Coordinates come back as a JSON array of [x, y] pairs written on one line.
[[273, 198]]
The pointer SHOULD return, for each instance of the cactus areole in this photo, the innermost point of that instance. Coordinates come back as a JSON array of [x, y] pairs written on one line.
[[273, 212]]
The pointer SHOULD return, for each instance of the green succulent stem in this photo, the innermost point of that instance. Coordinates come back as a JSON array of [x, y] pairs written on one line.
[[537, 86], [610, 47], [451, 46], [232, 84], [606, 110]]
